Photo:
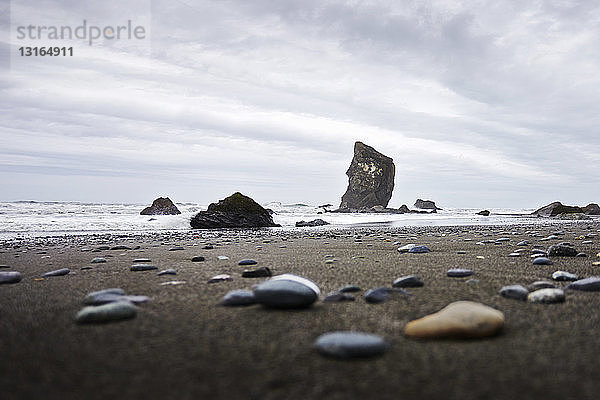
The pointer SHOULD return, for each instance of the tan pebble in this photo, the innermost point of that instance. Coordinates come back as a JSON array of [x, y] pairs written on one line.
[[461, 319], [596, 263], [480, 257]]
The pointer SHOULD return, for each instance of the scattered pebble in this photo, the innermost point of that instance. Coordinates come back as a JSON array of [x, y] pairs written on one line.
[[350, 289], [220, 278], [591, 284], [172, 283], [419, 249], [222, 258], [516, 292], [548, 295], [176, 248], [459, 272], [98, 260], [406, 247], [563, 276], [381, 294], [408, 281], [541, 285], [337, 297], [169, 271], [542, 261], [261, 272], [143, 267], [562, 250], [58, 272], [198, 259], [247, 261], [10, 277], [239, 297], [347, 344], [287, 291], [142, 261], [110, 312]]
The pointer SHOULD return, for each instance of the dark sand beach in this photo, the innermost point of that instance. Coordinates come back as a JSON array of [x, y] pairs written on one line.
[[183, 344]]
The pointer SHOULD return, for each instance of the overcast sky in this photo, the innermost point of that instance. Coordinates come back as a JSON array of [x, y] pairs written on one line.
[[479, 103]]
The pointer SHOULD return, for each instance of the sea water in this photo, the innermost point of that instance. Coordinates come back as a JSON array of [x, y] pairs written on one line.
[[35, 219]]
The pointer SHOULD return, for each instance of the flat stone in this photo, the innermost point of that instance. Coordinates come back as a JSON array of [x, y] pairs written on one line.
[[381, 294], [541, 285], [261, 272], [542, 261], [103, 248], [337, 297], [347, 344], [142, 261], [117, 311], [198, 259], [523, 243], [220, 278], [208, 247], [563, 276], [287, 291], [461, 319], [105, 298], [4, 266], [98, 260], [459, 272], [169, 271], [562, 250], [176, 248], [408, 281], [10, 277], [419, 249], [238, 297], [514, 255], [406, 247], [222, 258], [516, 292], [350, 289], [143, 267], [591, 284], [582, 255], [120, 247], [172, 283], [57, 272], [247, 261], [548, 295], [90, 298]]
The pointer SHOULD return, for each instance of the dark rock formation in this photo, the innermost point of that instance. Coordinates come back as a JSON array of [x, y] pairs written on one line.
[[370, 179], [161, 206], [236, 211], [314, 222], [426, 205], [485, 213], [557, 208]]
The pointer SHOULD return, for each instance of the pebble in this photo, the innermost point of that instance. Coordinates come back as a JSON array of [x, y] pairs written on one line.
[[222, 258], [348, 344], [542, 261], [110, 312], [461, 252], [419, 249], [541, 285], [408, 281], [198, 259], [591, 284], [98, 260], [4, 266], [461, 319], [523, 243], [143, 267], [208, 247], [261, 272], [142, 261], [169, 271], [287, 291], [247, 261], [563, 276], [239, 297], [381, 294], [337, 297], [220, 278], [514, 255], [87, 268], [516, 292], [459, 272], [90, 297], [10, 277], [350, 289], [548, 295], [120, 247], [562, 249], [406, 247], [105, 298], [172, 283], [581, 255], [176, 248], [58, 272]]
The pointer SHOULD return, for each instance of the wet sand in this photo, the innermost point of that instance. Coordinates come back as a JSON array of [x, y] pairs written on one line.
[[183, 344]]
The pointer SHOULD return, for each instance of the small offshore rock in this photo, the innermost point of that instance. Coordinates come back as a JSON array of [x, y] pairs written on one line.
[[220, 278], [562, 250], [459, 272], [517, 292], [110, 312], [247, 261], [542, 261], [198, 259], [143, 267], [287, 291], [461, 319], [408, 281], [10, 277], [548, 295], [591, 284], [169, 271], [239, 297], [563, 276], [337, 297], [347, 344], [261, 272], [98, 260], [57, 272]]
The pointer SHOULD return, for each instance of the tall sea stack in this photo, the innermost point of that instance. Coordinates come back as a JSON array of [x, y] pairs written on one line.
[[370, 179]]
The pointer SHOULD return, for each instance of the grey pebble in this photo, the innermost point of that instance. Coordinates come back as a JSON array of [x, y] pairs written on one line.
[[542, 261], [347, 344], [98, 260], [286, 291], [459, 272], [517, 292], [58, 272], [220, 278], [247, 261], [117, 311], [350, 289], [591, 284], [547, 295], [563, 276], [198, 259], [143, 267], [408, 281], [169, 271], [261, 272], [238, 297], [10, 277], [337, 297]]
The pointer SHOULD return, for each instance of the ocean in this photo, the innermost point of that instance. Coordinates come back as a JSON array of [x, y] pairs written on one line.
[[38, 219]]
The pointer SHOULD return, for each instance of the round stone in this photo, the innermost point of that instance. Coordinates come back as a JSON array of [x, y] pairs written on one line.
[[238, 297], [261, 272], [548, 295], [408, 281], [142, 261], [563, 276], [10, 277], [58, 272], [287, 291], [98, 260], [591, 284], [110, 312], [198, 259], [247, 261], [461, 319], [346, 344], [516, 292], [459, 272], [542, 261]]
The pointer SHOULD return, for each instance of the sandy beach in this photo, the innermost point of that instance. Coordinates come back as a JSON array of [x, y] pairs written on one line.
[[184, 344]]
